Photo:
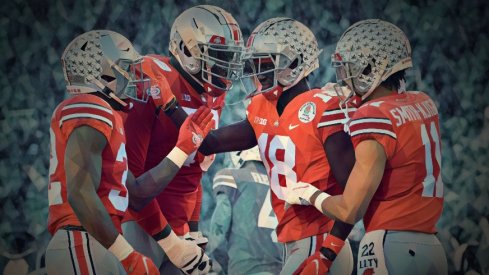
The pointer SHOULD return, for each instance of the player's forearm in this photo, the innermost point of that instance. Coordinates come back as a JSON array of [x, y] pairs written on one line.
[[336, 208], [176, 114], [147, 186], [361, 186], [92, 214], [235, 137]]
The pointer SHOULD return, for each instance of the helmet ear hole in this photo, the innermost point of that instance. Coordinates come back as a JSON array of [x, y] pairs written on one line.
[[367, 70], [184, 49], [107, 78], [294, 64]]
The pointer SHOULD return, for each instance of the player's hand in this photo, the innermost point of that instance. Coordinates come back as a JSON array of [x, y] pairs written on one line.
[[160, 92], [194, 129], [198, 238], [136, 263], [190, 258], [316, 264], [299, 193], [319, 262]]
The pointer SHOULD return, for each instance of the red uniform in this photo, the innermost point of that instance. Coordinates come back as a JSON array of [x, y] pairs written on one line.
[[410, 195], [291, 147], [87, 110], [150, 138]]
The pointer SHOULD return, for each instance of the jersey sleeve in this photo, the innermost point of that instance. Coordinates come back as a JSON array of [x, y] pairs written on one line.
[[92, 113], [333, 119], [369, 122], [225, 183], [138, 125]]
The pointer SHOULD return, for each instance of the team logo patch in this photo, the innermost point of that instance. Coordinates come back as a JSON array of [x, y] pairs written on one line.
[[197, 139], [155, 92], [307, 112]]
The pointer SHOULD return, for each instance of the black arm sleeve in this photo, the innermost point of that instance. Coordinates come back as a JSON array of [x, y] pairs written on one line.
[[176, 114], [341, 157], [234, 137]]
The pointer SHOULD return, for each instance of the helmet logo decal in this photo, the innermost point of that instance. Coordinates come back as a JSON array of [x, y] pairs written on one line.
[[338, 57], [216, 39]]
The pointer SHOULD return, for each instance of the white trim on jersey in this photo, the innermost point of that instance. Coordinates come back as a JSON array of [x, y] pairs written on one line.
[[219, 183], [85, 115], [331, 122], [338, 111], [370, 120], [88, 257], [224, 180], [87, 105], [72, 248], [374, 131]]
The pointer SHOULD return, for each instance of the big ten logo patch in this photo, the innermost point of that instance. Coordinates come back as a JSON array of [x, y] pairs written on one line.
[[259, 120]]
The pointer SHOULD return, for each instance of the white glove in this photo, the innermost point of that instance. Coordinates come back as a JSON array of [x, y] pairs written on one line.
[[186, 255], [299, 193], [198, 238], [194, 261]]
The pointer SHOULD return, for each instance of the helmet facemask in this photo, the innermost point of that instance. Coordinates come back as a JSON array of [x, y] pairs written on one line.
[[207, 42], [269, 72], [139, 85], [281, 52], [360, 72], [221, 65], [125, 81]]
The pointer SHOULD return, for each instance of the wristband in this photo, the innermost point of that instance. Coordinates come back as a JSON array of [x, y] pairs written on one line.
[[334, 243], [121, 248], [171, 107], [177, 156], [319, 201]]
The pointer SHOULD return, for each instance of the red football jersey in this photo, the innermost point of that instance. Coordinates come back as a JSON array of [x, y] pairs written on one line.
[[291, 146], [150, 138], [410, 195], [87, 110]]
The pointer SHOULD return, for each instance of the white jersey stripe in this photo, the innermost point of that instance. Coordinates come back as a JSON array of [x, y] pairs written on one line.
[[73, 251], [85, 252], [374, 131], [335, 112], [370, 120], [224, 177], [87, 105], [85, 115], [332, 122], [219, 183]]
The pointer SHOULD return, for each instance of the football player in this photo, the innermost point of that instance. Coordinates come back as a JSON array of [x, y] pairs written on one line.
[[242, 235], [299, 132], [205, 50], [396, 183], [89, 183]]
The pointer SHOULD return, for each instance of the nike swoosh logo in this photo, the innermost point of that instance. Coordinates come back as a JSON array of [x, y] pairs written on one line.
[[292, 127]]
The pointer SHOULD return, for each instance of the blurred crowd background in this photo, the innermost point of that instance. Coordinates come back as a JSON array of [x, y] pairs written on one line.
[[450, 42]]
